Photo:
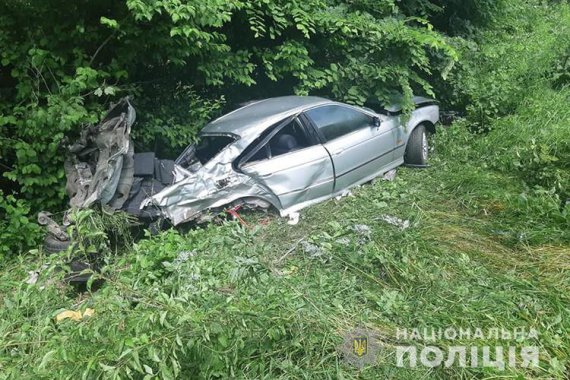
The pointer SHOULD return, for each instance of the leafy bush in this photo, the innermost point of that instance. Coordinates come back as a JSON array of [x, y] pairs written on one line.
[[179, 59], [520, 52], [457, 17], [17, 230], [485, 172], [62, 64], [170, 125], [534, 142]]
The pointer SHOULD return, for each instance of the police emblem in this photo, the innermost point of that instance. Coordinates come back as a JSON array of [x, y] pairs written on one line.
[[360, 347]]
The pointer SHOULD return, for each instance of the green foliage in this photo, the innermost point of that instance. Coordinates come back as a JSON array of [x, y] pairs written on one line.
[[229, 301], [62, 64], [172, 55], [510, 182], [17, 230], [95, 233], [458, 17], [504, 81], [170, 125], [488, 239], [561, 73], [534, 142], [523, 51]]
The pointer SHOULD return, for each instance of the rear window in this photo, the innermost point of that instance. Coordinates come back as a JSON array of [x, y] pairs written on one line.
[[208, 146]]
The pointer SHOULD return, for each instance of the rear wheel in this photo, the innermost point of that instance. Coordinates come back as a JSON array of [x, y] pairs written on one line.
[[417, 148]]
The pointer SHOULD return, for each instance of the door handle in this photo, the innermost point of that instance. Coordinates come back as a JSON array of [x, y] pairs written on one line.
[[338, 151]]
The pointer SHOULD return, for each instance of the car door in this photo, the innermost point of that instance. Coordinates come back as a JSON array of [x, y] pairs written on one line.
[[360, 144], [296, 170]]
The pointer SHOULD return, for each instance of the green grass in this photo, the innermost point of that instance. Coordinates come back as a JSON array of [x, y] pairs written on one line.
[[483, 251]]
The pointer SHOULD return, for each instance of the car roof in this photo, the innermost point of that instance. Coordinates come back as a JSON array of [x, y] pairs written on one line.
[[255, 117]]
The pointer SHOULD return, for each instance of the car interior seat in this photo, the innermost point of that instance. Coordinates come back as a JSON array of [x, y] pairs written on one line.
[[284, 144]]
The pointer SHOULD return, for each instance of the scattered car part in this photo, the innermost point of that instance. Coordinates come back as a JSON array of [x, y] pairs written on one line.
[[390, 175], [32, 277], [74, 315], [80, 271], [364, 232], [54, 229], [53, 245], [449, 117], [56, 239], [314, 251], [293, 218], [395, 221]]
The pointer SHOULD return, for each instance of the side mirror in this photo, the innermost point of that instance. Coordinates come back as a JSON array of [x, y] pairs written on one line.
[[376, 122]]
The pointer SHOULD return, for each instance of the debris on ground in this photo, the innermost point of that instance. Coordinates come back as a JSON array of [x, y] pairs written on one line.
[[290, 250], [345, 193], [182, 257], [234, 213], [54, 229], [343, 241], [80, 271], [395, 221], [293, 218], [102, 168], [313, 250], [363, 231], [74, 315], [390, 175], [32, 277], [56, 239]]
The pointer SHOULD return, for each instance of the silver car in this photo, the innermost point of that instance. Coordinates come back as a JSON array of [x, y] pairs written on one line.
[[291, 152]]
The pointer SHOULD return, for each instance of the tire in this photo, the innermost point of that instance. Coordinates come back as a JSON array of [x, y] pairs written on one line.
[[76, 275], [417, 148], [53, 245]]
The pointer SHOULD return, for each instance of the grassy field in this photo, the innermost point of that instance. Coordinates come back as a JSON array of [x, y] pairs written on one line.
[[272, 300], [486, 243]]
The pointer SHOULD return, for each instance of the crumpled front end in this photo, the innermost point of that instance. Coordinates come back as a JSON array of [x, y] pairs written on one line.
[[209, 187], [99, 167]]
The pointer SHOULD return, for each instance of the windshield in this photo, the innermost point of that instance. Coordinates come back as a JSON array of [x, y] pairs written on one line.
[[208, 146]]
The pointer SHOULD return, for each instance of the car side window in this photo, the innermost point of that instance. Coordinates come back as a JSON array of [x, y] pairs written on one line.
[[290, 138], [334, 121]]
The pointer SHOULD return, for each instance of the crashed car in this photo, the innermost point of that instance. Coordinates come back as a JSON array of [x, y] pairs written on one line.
[[291, 152], [287, 153]]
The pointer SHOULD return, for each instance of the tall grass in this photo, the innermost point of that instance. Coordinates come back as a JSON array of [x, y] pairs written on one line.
[[229, 301]]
